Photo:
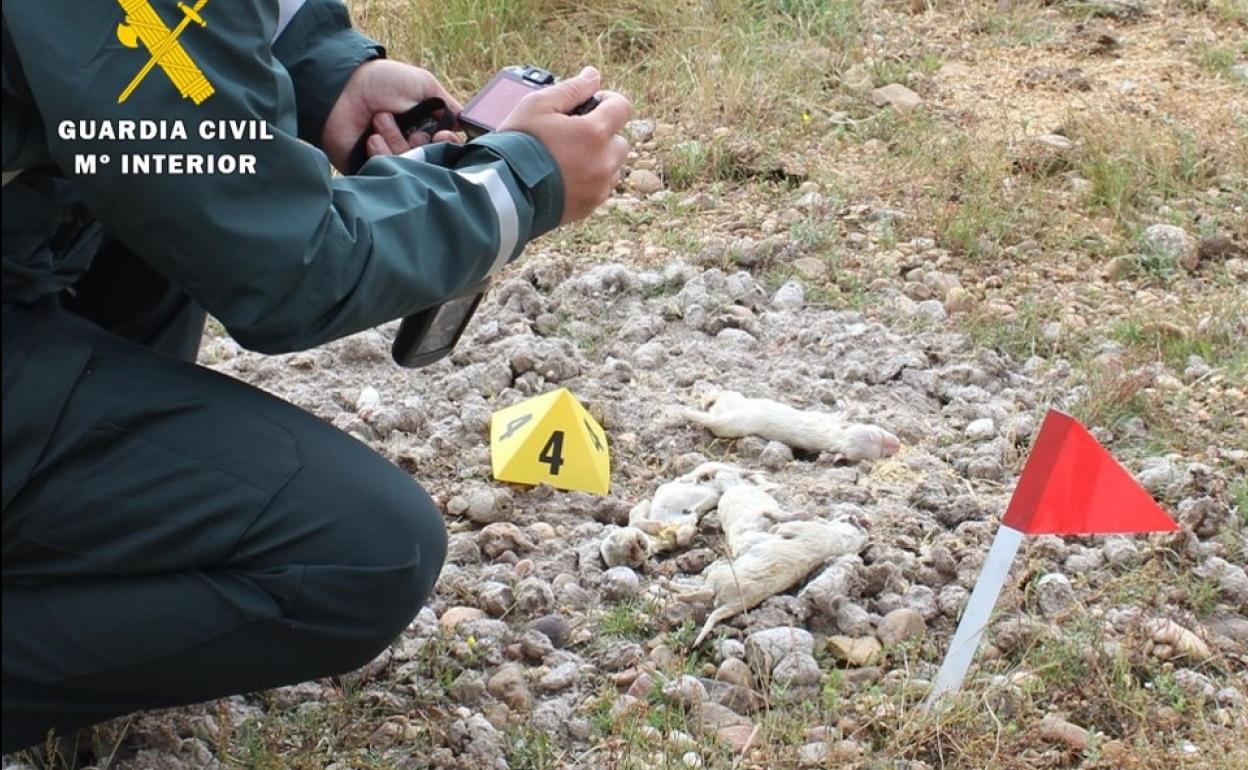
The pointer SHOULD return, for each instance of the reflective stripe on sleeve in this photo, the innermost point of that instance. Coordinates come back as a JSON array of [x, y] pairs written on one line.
[[504, 207], [416, 153], [500, 198]]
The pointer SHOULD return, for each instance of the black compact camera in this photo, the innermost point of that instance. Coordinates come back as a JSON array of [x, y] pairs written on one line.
[[431, 334], [490, 107]]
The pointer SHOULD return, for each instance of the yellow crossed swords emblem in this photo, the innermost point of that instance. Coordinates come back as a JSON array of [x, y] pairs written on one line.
[[143, 24]]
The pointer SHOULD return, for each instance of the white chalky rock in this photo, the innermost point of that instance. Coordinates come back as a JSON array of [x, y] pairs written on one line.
[[1170, 242], [983, 428], [1055, 594], [732, 415], [842, 579], [764, 649], [791, 296], [620, 583], [367, 401]]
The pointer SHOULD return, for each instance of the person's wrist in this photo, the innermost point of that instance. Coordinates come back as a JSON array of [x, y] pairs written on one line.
[[535, 167]]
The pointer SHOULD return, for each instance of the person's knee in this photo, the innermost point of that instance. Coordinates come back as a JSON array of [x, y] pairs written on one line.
[[395, 576], [417, 524]]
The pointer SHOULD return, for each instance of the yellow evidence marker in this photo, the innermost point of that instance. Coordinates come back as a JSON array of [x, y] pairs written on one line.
[[550, 439]]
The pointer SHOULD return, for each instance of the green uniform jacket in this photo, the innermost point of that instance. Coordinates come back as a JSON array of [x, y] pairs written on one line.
[[288, 257]]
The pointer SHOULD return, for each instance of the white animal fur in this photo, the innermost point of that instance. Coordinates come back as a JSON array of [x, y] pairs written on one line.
[[769, 551], [732, 415], [775, 561], [625, 546], [671, 517]]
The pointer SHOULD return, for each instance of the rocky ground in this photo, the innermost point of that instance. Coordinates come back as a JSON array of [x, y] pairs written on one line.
[[989, 210]]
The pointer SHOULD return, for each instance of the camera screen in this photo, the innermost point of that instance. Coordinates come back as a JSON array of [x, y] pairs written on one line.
[[493, 105], [451, 317]]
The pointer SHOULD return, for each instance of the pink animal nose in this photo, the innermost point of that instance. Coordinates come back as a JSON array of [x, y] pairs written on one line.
[[889, 444]]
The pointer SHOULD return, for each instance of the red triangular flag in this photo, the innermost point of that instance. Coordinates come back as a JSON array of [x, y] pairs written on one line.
[[1072, 486]]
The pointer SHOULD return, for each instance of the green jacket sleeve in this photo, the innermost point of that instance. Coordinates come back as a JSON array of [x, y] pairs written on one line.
[[289, 256], [319, 49]]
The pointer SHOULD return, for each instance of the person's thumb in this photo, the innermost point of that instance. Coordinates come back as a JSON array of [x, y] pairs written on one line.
[[569, 94]]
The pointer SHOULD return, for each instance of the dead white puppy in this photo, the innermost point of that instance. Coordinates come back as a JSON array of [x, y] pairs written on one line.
[[732, 415], [775, 562], [747, 514], [671, 517]]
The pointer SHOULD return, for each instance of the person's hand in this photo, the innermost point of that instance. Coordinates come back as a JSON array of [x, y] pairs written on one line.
[[375, 93], [587, 148]]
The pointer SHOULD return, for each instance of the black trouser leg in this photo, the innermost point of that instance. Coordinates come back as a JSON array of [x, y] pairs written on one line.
[[185, 536], [122, 294]]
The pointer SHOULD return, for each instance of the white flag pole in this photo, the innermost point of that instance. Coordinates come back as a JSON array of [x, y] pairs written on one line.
[[975, 617]]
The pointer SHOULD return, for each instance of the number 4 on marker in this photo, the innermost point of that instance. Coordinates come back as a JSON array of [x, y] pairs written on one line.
[[552, 453]]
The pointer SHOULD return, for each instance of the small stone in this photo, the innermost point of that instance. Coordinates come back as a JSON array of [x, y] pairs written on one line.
[[640, 130], [1056, 729], [764, 649], [508, 685], [853, 619], [1218, 248], [814, 754], [738, 738], [455, 615], [959, 300], [901, 625], [686, 691], [896, 96], [811, 268], [797, 669], [620, 655], [535, 646], [534, 596], [496, 598], [734, 671], [500, 537], [1120, 550], [1054, 594], [1172, 243], [623, 707], [791, 296], [620, 583], [862, 651], [981, 429], [481, 505], [643, 182], [641, 686], [559, 678], [713, 716], [776, 455], [468, 687], [555, 627], [932, 309], [1120, 267]]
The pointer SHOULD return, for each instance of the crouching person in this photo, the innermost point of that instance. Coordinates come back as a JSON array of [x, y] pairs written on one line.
[[172, 535]]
